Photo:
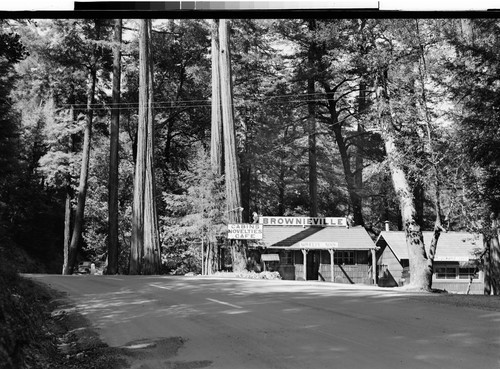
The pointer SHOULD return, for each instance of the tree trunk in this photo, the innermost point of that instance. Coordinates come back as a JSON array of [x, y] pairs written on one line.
[[233, 190], [494, 260], [358, 158], [145, 247], [216, 148], [152, 257], [487, 275], [137, 237], [312, 54], [313, 160], [84, 170], [350, 178], [112, 267], [67, 231], [438, 225], [420, 265], [212, 257]]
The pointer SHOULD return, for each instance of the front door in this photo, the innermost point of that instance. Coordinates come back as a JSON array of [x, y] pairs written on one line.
[[313, 265]]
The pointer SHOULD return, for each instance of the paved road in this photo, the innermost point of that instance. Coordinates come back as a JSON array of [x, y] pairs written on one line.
[[284, 324]]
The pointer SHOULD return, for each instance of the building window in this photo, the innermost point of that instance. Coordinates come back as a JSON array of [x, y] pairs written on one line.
[[299, 257], [467, 273], [454, 272], [344, 257], [286, 257], [362, 257], [325, 257], [446, 273]]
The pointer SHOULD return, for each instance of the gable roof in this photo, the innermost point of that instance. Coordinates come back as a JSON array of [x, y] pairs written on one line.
[[452, 246], [290, 237]]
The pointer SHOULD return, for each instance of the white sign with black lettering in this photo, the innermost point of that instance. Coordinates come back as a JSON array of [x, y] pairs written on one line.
[[244, 231], [304, 221], [318, 245]]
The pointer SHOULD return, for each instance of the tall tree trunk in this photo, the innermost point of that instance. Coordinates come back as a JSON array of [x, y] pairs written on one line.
[[137, 237], [420, 265], [311, 125], [349, 176], [144, 253], [216, 148], [216, 143], [113, 157], [312, 157], [152, 257], [358, 158], [233, 190], [84, 170]]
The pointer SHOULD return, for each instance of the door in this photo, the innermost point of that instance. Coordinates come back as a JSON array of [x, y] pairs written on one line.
[[313, 265]]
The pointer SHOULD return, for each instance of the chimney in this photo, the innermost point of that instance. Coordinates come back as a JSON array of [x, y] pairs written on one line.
[[387, 226]]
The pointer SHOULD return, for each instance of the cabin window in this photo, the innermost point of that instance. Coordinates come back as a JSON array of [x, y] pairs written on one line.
[[286, 257], [467, 273], [362, 257], [454, 272], [446, 272], [344, 257], [325, 257], [299, 257]]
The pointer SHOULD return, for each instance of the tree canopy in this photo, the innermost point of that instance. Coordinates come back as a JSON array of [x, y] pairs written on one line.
[[325, 112]]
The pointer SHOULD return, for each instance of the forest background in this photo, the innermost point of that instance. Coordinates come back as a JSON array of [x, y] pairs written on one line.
[[326, 112]]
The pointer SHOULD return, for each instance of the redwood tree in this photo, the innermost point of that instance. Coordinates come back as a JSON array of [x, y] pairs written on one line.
[[84, 170], [113, 157], [233, 190], [145, 247]]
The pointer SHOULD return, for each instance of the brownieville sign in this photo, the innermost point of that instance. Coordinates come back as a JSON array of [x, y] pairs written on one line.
[[304, 221], [244, 231]]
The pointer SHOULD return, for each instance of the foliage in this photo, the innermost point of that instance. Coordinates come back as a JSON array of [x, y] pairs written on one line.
[[22, 318], [193, 217]]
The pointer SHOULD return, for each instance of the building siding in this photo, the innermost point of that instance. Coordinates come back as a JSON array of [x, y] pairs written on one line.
[[390, 271]]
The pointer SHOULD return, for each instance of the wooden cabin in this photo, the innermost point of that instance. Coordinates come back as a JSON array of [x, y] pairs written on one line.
[[454, 263], [323, 249]]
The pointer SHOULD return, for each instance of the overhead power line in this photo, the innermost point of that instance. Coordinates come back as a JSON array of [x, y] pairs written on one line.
[[176, 104]]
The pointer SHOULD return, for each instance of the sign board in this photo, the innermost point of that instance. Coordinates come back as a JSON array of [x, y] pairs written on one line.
[[452, 258], [318, 245], [304, 221], [270, 257], [244, 231]]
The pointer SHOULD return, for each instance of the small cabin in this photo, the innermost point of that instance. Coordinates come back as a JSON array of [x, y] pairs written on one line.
[[455, 264], [321, 249]]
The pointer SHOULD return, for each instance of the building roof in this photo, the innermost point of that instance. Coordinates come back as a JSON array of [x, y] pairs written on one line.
[[452, 246], [291, 237]]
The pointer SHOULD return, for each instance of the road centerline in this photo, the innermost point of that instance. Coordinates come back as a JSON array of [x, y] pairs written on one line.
[[224, 303]]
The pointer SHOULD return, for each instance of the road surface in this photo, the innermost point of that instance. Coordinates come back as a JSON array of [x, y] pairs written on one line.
[[231, 323]]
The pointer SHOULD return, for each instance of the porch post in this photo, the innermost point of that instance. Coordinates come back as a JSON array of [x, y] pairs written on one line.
[[304, 252], [374, 266], [331, 263]]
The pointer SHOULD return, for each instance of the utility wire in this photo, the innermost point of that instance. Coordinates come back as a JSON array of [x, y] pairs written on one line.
[[174, 104]]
